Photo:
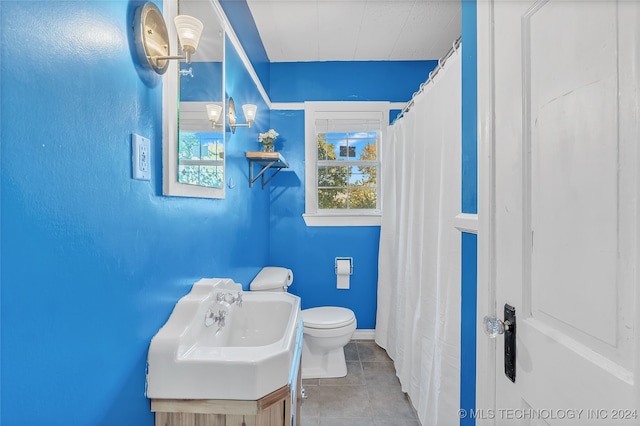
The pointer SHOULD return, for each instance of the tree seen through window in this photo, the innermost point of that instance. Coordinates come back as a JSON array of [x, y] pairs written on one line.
[[347, 170], [201, 159]]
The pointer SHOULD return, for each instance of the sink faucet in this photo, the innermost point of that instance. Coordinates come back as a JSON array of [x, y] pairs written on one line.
[[211, 318], [229, 298]]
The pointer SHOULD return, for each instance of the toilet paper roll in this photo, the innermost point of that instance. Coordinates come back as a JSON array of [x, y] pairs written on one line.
[[343, 273], [342, 282], [343, 266]]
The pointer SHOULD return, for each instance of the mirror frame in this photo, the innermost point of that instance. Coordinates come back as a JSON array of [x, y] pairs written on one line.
[[170, 102]]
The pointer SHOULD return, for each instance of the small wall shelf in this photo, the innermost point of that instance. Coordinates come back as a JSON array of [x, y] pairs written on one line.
[[266, 160]]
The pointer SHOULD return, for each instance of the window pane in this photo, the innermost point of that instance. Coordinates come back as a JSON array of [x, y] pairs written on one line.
[[332, 198], [212, 149], [362, 198], [366, 149], [338, 144], [204, 148], [347, 146], [325, 148], [211, 176], [362, 176], [332, 176], [200, 146]]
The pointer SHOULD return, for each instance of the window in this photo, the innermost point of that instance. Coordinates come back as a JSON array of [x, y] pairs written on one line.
[[342, 162], [201, 159]]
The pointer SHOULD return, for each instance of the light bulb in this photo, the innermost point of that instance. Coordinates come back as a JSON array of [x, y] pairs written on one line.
[[189, 32], [249, 111], [213, 112]]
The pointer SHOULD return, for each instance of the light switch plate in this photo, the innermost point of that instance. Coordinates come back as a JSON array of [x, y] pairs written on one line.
[[140, 157]]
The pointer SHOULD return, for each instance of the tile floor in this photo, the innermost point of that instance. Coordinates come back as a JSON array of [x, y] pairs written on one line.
[[369, 395]]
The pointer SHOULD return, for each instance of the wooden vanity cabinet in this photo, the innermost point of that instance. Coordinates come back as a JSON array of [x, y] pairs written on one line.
[[279, 408]]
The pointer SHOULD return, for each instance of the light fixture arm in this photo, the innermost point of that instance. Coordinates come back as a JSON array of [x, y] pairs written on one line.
[[186, 57], [170, 57], [152, 37]]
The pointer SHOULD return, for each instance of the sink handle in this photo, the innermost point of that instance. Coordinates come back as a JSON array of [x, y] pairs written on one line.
[[221, 317], [211, 318], [208, 318], [228, 298]]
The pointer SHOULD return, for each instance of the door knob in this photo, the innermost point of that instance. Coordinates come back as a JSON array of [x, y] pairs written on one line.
[[494, 326]]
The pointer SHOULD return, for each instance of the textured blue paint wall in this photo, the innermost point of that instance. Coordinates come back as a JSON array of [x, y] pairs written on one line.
[[241, 20], [469, 205], [240, 86], [393, 81], [92, 261], [204, 85], [311, 251]]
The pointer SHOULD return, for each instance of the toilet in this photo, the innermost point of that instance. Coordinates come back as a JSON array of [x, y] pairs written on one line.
[[326, 329]]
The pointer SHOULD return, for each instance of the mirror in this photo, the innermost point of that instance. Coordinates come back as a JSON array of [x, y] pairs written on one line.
[[195, 161]]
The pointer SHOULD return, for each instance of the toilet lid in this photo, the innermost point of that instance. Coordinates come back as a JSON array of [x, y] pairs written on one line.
[[327, 317]]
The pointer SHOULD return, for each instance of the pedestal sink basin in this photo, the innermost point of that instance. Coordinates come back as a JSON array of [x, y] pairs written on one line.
[[221, 343]]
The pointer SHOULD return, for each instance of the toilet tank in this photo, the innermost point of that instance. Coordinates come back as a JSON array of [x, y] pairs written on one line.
[[272, 278]]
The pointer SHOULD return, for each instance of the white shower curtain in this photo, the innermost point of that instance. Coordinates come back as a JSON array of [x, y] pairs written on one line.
[[418, 316]]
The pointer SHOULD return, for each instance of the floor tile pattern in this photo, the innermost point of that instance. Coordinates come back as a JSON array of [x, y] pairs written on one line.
[[369, 395]]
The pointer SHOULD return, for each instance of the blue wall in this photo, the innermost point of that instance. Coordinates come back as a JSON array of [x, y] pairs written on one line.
[[206, 83], [92, 261], [311, 251], [240, 86], [469, 205], [241, 20], [393, 81]]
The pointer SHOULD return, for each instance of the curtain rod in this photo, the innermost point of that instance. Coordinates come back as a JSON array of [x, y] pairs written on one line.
[[432, 74]]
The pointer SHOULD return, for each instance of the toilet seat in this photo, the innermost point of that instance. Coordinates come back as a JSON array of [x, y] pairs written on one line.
[[327, 317]]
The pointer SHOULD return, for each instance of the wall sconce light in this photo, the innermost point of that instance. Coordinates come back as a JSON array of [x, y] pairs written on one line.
[[152, 37], [249, 114], [213, 112]]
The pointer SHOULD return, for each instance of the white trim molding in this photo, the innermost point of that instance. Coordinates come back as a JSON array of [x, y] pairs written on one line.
[[362, 334], [299, 106], [341, 220], [235, 41], [466, 222]]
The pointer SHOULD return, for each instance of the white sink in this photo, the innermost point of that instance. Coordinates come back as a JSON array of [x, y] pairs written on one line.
[[249, 357]]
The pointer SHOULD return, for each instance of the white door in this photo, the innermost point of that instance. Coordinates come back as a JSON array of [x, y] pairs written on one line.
[[559, 136]]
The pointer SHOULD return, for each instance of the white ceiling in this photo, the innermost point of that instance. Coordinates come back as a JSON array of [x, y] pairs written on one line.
[[356, 30]]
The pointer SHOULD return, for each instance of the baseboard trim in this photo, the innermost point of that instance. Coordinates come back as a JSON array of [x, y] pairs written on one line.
[[364, 335]]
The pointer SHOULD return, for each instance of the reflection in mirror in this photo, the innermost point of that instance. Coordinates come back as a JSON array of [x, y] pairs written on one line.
[[201, 142], [193, 146], [200, 148]]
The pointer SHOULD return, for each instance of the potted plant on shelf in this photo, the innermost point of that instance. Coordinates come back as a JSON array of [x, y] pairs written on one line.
[[267, 139]]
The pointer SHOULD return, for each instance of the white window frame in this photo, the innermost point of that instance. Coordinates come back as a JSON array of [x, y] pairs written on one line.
[[337, 110]]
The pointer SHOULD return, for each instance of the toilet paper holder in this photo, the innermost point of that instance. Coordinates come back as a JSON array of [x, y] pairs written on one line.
[[350, 259]]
